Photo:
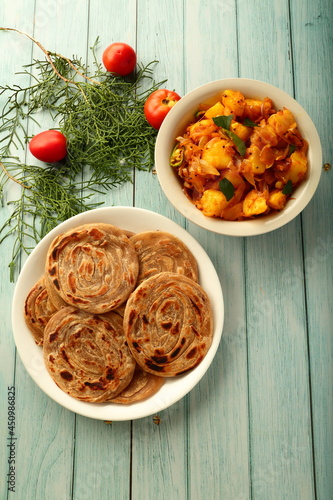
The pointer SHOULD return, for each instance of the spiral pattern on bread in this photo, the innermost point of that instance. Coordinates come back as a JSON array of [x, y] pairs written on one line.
[[93, 267], [86, 354], [168, 324], [160, 251]]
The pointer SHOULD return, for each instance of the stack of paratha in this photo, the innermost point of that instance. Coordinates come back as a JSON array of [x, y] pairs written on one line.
[[118, 313]]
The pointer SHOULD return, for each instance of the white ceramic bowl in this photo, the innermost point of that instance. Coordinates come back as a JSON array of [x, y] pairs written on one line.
[[183, 112], [136, 220]]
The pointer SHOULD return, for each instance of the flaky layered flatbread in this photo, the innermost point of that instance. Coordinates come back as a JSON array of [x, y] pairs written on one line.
[[86, 354], [168, 324], [38, 309], [160, 251], [142, 386], [93, 267]]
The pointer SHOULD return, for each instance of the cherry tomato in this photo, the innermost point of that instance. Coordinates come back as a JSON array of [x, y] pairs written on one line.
[[119, 58], [158, 105], [48, 146]]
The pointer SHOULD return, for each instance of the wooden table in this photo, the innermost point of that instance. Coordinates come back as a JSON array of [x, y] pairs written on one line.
[[259, 425]]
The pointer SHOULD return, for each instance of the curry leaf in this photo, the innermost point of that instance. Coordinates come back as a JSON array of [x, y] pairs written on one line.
[[227, 188], [292, 148], [223, 121], [288, 188], [249, 123], [240, 146]]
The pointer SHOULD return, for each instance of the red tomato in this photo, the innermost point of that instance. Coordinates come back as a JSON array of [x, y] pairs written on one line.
[[48, 146], [158, 105], [119, 58]]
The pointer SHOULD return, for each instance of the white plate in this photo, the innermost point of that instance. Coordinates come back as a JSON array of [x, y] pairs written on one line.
[[136, 220]]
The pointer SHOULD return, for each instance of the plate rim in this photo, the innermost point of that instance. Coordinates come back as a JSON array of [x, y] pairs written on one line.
[[32, 358]]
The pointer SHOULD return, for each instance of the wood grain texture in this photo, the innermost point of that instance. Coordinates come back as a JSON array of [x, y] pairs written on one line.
[[50, 436], [102, 459], [280, 414], [218, 417], [311, 25], [259, 425], [155, 44], [15, 53], [159, 461]]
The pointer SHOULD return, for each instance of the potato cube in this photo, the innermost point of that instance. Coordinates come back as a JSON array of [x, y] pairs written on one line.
[[276, 200], [253, 163], [218, 153], [202, 127], [256, 109], [298, 167], [234, 101], [255, 203], [212, 203], [282, 121], [215, 110], [241, 130]]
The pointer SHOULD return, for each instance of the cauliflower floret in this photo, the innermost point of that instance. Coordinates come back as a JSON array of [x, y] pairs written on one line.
[[212, 203]]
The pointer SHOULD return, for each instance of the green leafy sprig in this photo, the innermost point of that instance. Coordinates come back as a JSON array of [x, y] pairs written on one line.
[[101, 115]]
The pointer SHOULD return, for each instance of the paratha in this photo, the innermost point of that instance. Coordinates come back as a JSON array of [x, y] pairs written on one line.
[[168, 323], [93, 267], [87, 355], [142, 386], [160, 251], [37, 310]]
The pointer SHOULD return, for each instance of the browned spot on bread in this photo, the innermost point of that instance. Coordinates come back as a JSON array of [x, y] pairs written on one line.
[[191, 353], [95, 385], [53, 337], [154, 367], [56, 284], [160, 359], [66, 375]]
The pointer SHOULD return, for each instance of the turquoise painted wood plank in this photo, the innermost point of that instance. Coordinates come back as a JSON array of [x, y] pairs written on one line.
[[210, 40], [15, 52], [218, 406], [102, 460], [159, 463], [156, 42], [102, 465], [312, 35], [218, 414], [55, 440], [159, 455], [45, 443], [279, 397]]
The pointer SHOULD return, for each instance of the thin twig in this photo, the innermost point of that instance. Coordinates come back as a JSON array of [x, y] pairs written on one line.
[[13, 178], [49, 58]]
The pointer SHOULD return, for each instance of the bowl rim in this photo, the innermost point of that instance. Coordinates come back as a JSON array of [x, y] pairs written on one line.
[[171, 186]]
